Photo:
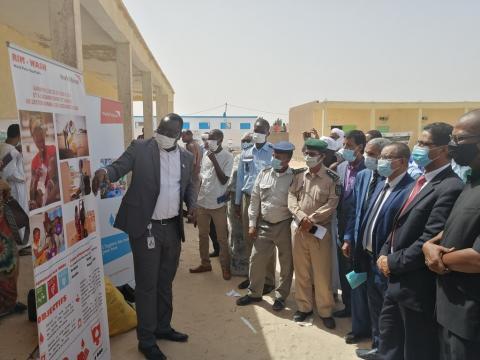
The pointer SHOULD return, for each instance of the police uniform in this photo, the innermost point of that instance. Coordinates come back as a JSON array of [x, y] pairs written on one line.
[[269, 213], [314, 195]]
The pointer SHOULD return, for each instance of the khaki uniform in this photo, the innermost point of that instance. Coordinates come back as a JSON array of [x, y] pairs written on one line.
[[269, 213], [314, 196]]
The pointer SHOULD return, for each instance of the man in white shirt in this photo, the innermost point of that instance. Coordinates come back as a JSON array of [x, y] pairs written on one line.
[[151, 215], [217, 164]]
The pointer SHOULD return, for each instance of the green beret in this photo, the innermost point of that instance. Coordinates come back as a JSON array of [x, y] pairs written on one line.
[[316, 144]]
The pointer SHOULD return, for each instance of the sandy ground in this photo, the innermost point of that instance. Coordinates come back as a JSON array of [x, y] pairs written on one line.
[[212, 320]]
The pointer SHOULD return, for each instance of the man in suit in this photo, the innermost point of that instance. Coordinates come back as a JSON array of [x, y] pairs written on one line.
[[376, 215], [151, 215], [457, 259], [407, 327], [354, 146]]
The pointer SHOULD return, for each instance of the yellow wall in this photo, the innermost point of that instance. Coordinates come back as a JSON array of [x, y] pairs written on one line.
[[358, 117], [306, 117]]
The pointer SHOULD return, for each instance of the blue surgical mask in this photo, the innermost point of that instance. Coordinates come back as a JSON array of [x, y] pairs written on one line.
[[277, 164], [370, 163], [384, 167], [421, 155], [348, 155]]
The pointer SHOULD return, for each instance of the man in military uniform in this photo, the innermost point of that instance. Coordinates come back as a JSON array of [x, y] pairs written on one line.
[[312, 199], [269, 227]]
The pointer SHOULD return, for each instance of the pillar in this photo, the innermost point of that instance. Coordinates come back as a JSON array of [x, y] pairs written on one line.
[[161, 102], [124, 83], [170, 105], [147, 96], [415, 137], [66, 32]]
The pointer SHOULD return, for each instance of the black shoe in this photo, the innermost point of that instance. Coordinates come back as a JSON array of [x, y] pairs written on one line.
[[300, 316], [329, 322], [244, 284], [278, 305], [352, 338], [367, 354], [152, 352], [173, 336], [342, 314], [247, 300], [214, 254], [267, 289]]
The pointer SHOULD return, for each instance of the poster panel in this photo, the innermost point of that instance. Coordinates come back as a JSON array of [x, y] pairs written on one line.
[[66, 248]]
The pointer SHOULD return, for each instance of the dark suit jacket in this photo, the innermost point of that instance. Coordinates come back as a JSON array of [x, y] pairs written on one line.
[[384, 223], [410, 282], [142, 158]]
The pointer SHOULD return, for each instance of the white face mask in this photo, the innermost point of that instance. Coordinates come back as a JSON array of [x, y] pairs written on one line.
[[212, 145], [165, 142], [313, 161], [259, 138]]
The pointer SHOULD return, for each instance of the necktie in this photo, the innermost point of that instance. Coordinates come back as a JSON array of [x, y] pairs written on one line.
[[372, 185], [416, 189], [375, 211]]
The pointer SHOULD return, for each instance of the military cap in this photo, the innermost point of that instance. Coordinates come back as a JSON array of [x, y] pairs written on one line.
[[284, 146], [316, 144]]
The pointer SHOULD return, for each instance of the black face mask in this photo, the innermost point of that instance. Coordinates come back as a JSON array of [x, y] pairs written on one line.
[[463, 154]]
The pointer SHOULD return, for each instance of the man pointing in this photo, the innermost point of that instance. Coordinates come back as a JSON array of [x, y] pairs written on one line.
[[150, 214]]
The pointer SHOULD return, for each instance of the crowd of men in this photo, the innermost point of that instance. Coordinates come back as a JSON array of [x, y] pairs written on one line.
[[397, 230]]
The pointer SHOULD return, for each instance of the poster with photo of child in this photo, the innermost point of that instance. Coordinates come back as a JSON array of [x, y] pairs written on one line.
[[40, 159]]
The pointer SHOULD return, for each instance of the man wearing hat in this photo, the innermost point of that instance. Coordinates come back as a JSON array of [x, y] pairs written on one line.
[[312, 199], [269, 227]]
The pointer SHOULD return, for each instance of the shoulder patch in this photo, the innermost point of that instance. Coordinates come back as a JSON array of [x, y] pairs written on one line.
[[333, 175], [299, 171], [338, 189]]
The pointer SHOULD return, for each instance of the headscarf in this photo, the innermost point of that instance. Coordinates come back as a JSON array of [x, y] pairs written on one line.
[[341, 137]]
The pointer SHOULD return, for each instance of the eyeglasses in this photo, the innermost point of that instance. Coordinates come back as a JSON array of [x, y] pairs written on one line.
[[425, 144], [459, 138], [310, 153]]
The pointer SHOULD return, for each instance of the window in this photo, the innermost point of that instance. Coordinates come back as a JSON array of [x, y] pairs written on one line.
[[186, 126], [245, 126], [225, 125], [204, 126]]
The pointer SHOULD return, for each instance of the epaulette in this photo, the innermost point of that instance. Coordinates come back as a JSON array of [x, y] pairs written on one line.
[[269, 167], [270, 145], [299, 170], [333, 175]]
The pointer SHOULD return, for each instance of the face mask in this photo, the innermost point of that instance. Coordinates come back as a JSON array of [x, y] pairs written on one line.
[[384, 167], [277, 164], [463, 154], [421, 155], [370, 163], [165, 142], [313, 161], [212, 145], [259, 138], [348, 155], [246, 145]]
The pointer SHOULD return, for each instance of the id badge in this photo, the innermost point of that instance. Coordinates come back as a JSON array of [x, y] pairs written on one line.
[[151, 242]]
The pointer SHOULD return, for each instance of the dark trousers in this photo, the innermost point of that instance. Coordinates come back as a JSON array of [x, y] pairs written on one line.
[[213, 237], [361, 325], [376, 288], [154, 272], [344, 267], [406, 334], [453, 347]]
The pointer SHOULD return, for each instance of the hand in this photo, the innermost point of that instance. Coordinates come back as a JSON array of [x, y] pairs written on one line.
[[315, 133], [346, 247], [252, 232], [382, 264], [306, 224], [192, 216], [238, 212], [99, 178], [211, 155], [433, 257]]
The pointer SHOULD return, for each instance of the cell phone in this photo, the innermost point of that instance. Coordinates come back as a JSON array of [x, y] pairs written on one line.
[[307, 134], [6, 160], [313, 230]]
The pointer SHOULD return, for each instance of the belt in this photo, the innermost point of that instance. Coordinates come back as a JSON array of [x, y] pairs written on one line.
[[165, 221]]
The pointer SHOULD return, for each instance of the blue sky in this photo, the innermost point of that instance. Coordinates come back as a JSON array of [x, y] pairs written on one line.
[[272, 55]]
